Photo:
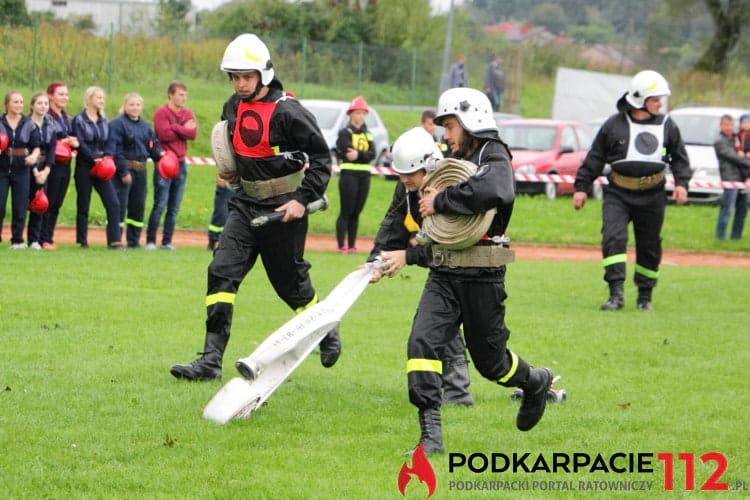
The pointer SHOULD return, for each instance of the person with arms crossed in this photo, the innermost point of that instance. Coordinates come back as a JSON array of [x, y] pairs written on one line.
[[174, 125], [639, 143], [734, 166], [282, 164]]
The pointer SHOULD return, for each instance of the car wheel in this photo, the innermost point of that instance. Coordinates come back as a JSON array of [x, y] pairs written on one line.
[[550, 190], [597, 192]]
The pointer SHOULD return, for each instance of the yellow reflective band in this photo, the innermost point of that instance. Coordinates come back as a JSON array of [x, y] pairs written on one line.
[[355, 166], [410, 224], [134, 223], [615, 259], [249, 56], [424, 365], [309, 304], [276, 149], [226, 297], [215, 229], [513, 368], [649, 273]]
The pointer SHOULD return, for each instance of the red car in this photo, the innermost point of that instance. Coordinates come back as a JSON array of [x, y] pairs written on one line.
[[542, 146]]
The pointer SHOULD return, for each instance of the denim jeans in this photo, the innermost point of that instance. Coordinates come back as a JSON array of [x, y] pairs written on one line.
[[732, 200], [167, 195]]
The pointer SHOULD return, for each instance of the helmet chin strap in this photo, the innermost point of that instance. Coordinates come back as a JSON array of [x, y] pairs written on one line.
[[255, 92]]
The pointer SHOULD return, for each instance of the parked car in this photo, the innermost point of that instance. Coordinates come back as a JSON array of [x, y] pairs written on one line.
[[699, 127], [332, 117], [542, 146]]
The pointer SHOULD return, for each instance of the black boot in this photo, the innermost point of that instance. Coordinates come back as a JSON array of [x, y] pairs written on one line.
[[644, 299], [616, 297], [208, 366], [534, 398], [432, 434], [456, 383], [330, 348]]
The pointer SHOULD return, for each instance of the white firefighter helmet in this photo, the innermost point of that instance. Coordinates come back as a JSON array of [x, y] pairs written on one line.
[[248, 53], [415, 150], [646, 84], [471, 108]]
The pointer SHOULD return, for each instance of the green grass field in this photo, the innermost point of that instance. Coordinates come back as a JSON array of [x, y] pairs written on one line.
[[89, 409]]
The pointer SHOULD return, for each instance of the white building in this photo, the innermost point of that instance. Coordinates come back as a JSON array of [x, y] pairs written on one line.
[[116, 16]]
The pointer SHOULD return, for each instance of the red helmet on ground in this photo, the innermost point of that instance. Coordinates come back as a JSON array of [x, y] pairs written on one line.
[[358, 104], [4, 141], [63, 152], [169, 166], [104, 169], [39, 203]]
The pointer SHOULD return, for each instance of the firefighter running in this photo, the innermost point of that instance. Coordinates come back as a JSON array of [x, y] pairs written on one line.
[[468, 286], [272, 138]]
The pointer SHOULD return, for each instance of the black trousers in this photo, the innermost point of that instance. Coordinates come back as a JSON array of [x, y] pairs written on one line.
[[57, 186], [354, 186], [645, 209], [281, 249], [445, 304]]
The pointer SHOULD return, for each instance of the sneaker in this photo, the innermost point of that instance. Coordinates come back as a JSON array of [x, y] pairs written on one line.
[[18, 246], [84, 246], [134, 247], [48, 246], [35, 246], [166, 246], [351, 250], [117, 246], [150, 246], [343, 250]]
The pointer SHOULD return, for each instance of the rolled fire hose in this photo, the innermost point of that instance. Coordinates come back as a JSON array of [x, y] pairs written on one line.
[[450, 230]]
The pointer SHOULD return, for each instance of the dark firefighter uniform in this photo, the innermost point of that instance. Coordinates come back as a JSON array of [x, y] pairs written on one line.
[[474, 295], [638, 152], [280, 155], [397, 232]]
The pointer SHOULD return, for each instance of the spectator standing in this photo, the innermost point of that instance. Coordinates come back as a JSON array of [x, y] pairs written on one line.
[[494, 82], [174, 125], [639, 143], [428, 123], [281, 170], [734, 166], [133, 143], [45, 163], [222, 195], [95, 168], [744, 134], [355, 148], [16, 160], [458, 73], [59, 177]]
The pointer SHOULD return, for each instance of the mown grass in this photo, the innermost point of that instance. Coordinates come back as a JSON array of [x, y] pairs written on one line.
[[89, 409]]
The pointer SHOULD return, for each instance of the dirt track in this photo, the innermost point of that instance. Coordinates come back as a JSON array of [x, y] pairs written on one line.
[[66, 234]]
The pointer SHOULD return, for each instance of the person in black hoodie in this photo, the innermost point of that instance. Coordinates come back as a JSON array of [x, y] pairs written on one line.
[[639, 143], [282, 164], [467, 286]]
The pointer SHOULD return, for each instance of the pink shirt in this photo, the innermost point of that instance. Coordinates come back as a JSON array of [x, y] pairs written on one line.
[[170, 129]]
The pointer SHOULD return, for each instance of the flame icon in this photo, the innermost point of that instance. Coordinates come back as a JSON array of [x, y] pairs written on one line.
[[421, 468]]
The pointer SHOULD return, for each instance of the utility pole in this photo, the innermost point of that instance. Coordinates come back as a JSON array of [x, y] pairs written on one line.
[[446, 51]]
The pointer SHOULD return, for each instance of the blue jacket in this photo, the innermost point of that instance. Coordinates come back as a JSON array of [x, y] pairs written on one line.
[[132, 140], [25, 136], [48, 140], [93, 138]]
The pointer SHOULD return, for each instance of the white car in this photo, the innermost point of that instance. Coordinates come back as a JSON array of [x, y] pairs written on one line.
[[699, 127], [332, 117]]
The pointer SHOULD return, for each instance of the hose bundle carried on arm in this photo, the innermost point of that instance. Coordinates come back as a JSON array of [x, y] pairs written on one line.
[[454, 231]]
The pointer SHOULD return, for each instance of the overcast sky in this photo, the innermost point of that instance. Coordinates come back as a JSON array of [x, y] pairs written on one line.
[[438, 5]]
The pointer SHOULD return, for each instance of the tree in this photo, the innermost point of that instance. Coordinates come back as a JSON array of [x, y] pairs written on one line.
[[730, 18], [14, 12], [172, 17]]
